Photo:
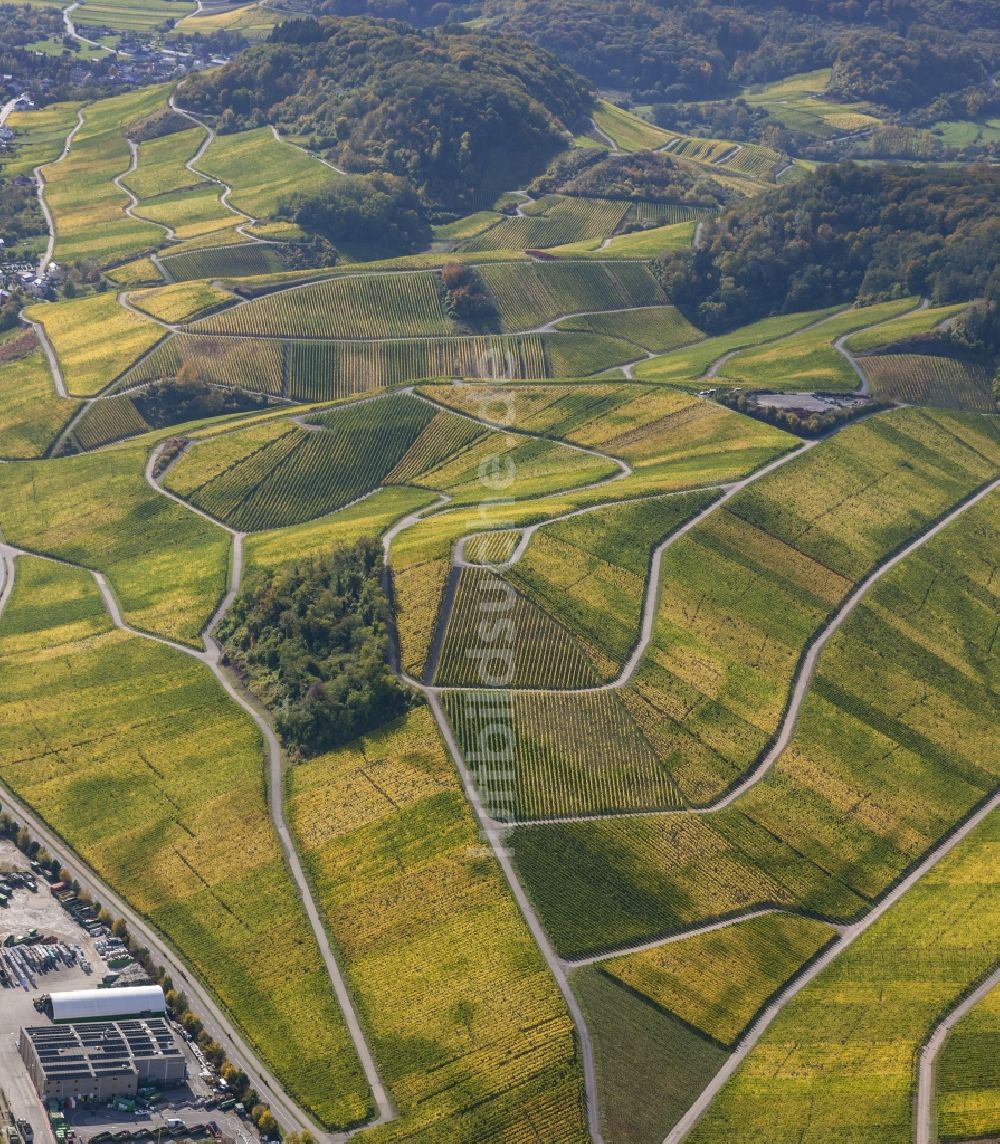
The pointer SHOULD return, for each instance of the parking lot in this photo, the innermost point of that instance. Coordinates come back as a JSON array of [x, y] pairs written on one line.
[[29, 977]]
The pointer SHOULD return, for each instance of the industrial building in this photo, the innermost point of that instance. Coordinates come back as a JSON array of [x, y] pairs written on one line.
[[100, 1060], [108, 1004]]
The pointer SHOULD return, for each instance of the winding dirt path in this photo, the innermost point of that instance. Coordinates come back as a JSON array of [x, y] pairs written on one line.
[[133, 201], [925, 1117], [46, 257], [212, 656], [840, 345]]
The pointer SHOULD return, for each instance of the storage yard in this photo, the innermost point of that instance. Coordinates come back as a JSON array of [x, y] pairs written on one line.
[[53, 958]]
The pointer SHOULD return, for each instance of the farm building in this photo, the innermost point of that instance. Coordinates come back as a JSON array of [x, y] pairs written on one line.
[[99, 1060], [108, 1004]]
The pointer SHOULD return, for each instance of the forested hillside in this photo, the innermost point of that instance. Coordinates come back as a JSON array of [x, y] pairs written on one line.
[[451, 114], [846, 232], [901, 53]]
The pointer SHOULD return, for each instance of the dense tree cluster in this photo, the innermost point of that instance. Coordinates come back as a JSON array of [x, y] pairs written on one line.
[[311, 641], [646, 176], [845, 233], [381, 209], [450, 113], [467, 297], [20, 217], [186, 398]]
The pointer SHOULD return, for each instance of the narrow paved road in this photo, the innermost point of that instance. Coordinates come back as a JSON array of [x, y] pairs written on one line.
[[926, 1112]]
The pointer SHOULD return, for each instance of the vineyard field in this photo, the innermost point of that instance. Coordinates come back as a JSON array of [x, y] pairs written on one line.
[[40, 135], [111, 419], [94, 338], [839, 1061], [590, 571], [531, 293], [919, 379], [161, 168], [303, 474], [968, 1077], [166, 566], [180, 302], [31, 414], [830, 827], [563, 221], [545, 654], [717, 982], [87, 207], [636, 1046], [433, 946], [243, 260], [567, 755], [360, 308], [263, 170]]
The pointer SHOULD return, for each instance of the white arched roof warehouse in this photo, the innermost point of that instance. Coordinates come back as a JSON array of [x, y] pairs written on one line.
[[109, 1004]]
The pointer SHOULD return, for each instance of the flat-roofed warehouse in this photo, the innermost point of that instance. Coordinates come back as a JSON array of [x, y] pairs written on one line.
[[101, 1059], [108, 1004]]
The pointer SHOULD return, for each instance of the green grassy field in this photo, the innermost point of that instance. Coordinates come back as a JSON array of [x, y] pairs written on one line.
[[31, 414], [893, 746], [914, 325], [193, 849], [658, 329], [433, 946], [640, 244], [88, 208], [795, 103], [808, 360], [650, 1067], [167, 566], [692, 362], [263, 170], [94, 338]]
